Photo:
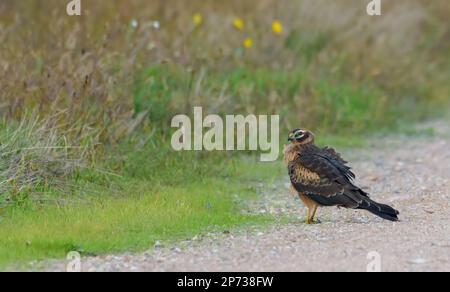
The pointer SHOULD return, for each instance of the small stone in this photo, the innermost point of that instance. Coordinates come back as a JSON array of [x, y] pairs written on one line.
[[417, 261]]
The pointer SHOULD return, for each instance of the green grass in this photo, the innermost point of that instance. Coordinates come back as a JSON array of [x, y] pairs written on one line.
[[342, 87], [332, 105], [135, 219], [157, 194]]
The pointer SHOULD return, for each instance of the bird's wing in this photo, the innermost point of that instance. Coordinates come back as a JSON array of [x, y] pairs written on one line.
[[336, 159], [319, 174]]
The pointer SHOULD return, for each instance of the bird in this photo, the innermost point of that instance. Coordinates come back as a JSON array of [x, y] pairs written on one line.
[[322, 178]]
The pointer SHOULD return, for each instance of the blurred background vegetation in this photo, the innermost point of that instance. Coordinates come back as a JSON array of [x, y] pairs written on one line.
[[84, 99], [81, 90]]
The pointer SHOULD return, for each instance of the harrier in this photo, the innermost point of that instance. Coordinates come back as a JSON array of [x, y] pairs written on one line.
[[322, 178]]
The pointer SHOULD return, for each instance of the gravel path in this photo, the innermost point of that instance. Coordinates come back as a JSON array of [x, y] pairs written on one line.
[[410, 173]]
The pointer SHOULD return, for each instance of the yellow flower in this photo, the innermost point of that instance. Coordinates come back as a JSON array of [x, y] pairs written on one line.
[[248, 43], [238, 23], [198, 19], [277, 27]]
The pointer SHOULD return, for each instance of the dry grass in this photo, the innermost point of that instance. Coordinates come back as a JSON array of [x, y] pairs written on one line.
[[105, 86], [87, 65], [36, 159], [333, 68]]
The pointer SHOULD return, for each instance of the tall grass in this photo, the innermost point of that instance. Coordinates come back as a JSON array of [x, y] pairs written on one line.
[[90, 64], [117, 77], [37, 159], [103, 88]]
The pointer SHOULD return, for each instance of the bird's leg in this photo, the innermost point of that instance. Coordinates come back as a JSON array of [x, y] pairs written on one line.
[[312, 209], [315, 208], [308, 216]]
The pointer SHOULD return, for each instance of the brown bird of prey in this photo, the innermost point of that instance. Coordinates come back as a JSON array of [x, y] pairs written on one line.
[[322, 178]]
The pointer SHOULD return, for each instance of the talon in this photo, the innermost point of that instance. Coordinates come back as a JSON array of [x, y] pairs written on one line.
[[312, 222]]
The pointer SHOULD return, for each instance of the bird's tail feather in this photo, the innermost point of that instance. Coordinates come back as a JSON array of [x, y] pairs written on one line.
[[381, 210]]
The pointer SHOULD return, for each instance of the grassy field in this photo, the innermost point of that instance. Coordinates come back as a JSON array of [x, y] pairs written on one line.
[[131, 206], [135, 222], [86, 104]]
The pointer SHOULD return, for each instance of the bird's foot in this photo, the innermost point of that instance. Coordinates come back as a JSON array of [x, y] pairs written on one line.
[[312, 221]]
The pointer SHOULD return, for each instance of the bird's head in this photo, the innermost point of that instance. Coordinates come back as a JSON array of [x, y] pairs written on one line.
[[301, 137]]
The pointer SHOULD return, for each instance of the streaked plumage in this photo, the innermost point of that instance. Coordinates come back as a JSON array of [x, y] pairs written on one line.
[[322, 178]]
